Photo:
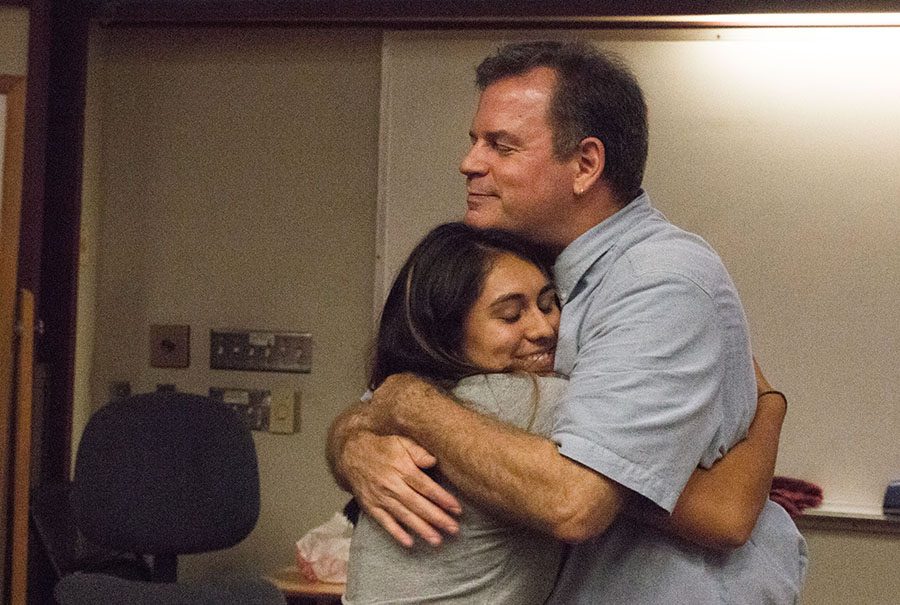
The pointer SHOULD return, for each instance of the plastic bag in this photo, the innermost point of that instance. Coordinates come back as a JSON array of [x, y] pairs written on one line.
[[322, 554]]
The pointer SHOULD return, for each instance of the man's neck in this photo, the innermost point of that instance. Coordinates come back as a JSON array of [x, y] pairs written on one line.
[[596, 206]]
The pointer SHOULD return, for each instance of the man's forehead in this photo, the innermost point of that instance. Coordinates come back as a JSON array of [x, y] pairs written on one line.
[[513, 99], [537, 79]]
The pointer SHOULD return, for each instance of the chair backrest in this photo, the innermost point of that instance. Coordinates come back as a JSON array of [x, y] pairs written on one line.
[[166, 473]]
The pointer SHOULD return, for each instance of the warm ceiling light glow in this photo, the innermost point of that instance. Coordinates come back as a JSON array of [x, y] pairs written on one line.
[[782, 20]]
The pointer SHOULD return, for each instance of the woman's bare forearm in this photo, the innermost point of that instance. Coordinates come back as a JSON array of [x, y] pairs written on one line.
[[719, 506]]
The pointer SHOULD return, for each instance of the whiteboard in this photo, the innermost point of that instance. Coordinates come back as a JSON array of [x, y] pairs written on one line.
[[782, 149]]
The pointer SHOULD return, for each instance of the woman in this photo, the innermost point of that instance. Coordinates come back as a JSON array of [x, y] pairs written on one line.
[[475, 311]]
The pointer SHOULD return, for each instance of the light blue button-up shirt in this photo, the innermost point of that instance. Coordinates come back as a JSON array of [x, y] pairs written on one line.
[[655, 342]]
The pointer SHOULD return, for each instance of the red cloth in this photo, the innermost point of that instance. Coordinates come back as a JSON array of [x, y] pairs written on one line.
[[795, 495]]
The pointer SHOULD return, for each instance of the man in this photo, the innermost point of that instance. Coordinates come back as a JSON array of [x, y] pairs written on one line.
[[652, 336]]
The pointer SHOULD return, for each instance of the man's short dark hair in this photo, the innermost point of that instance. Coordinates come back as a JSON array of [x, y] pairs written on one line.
[[596, 95]]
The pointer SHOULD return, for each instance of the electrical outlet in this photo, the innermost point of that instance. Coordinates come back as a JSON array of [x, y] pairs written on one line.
[[252, 405]]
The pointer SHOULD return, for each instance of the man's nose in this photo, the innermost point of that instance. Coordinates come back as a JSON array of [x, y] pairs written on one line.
[[473, 163]]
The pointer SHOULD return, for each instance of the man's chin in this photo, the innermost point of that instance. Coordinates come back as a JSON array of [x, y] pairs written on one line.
[[474, 218], [485, 220]]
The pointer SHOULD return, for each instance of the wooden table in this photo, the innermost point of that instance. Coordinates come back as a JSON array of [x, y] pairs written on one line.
[[295, 587]]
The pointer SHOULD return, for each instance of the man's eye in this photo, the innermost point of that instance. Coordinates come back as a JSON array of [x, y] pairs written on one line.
[[510, 319], [503, 149]]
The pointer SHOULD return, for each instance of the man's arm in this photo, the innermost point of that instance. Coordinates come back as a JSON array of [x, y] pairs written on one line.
[[718, 507], [515, 473]]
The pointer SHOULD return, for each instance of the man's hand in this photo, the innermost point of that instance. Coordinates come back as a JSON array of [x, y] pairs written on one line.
[[385, 474]]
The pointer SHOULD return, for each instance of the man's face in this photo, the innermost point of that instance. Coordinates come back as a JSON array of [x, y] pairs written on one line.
[[513, 180]]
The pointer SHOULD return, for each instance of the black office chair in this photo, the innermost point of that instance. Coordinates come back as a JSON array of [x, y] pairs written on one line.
[[160, 475]]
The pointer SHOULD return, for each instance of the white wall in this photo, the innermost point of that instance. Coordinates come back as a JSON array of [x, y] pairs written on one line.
[[779, 147], [232, 175]]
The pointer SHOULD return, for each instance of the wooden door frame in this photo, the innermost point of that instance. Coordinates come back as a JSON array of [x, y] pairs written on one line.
[[11, 416]]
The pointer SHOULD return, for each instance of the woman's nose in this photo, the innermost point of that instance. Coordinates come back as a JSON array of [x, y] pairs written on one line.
[[542, 326]]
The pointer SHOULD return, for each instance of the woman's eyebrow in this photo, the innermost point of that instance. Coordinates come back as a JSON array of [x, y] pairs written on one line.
[[505, 298]]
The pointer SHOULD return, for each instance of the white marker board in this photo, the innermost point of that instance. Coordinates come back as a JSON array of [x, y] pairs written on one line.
[[782, 149]]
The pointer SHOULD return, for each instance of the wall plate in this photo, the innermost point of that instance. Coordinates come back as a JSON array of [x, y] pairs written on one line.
[[252, 405], [170, 346], [260, 351]]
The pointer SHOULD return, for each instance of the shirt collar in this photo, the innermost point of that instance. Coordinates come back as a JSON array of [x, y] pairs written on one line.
[[580, 255]]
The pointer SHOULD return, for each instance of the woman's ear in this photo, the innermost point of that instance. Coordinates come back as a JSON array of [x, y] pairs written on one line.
[[589, 160]]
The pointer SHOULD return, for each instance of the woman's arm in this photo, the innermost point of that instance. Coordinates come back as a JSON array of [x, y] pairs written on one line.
[[720, 505]]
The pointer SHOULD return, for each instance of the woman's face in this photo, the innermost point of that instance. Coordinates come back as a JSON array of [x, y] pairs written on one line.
[[514, 322]]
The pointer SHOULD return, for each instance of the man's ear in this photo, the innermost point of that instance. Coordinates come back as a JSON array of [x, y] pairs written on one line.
[[589, 161]]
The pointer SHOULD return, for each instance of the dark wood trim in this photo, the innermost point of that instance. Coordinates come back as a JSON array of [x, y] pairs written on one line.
[[449, 13], [51, 209], [69, 30], [13, 89]]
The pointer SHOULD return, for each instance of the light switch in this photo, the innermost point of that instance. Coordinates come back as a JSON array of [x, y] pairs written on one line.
[[284, 413], [260, 350]]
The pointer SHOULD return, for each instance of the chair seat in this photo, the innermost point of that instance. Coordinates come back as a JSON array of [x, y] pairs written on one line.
[[101, 589]]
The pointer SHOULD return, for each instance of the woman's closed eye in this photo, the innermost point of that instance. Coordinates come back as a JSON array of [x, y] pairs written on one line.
[[510, 312], [548, 302]]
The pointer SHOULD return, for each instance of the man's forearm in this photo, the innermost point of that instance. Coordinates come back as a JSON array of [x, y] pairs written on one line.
[[348, 422], [520, 475]]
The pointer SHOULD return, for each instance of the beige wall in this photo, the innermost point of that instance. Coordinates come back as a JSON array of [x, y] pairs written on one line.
[[13, 40], [88, 246], [850, 568], [231, 175]]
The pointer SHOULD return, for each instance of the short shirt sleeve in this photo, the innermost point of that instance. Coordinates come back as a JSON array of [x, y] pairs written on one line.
[[641, 405]]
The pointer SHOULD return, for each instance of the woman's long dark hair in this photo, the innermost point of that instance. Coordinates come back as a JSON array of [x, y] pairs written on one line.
[[422, 325]]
